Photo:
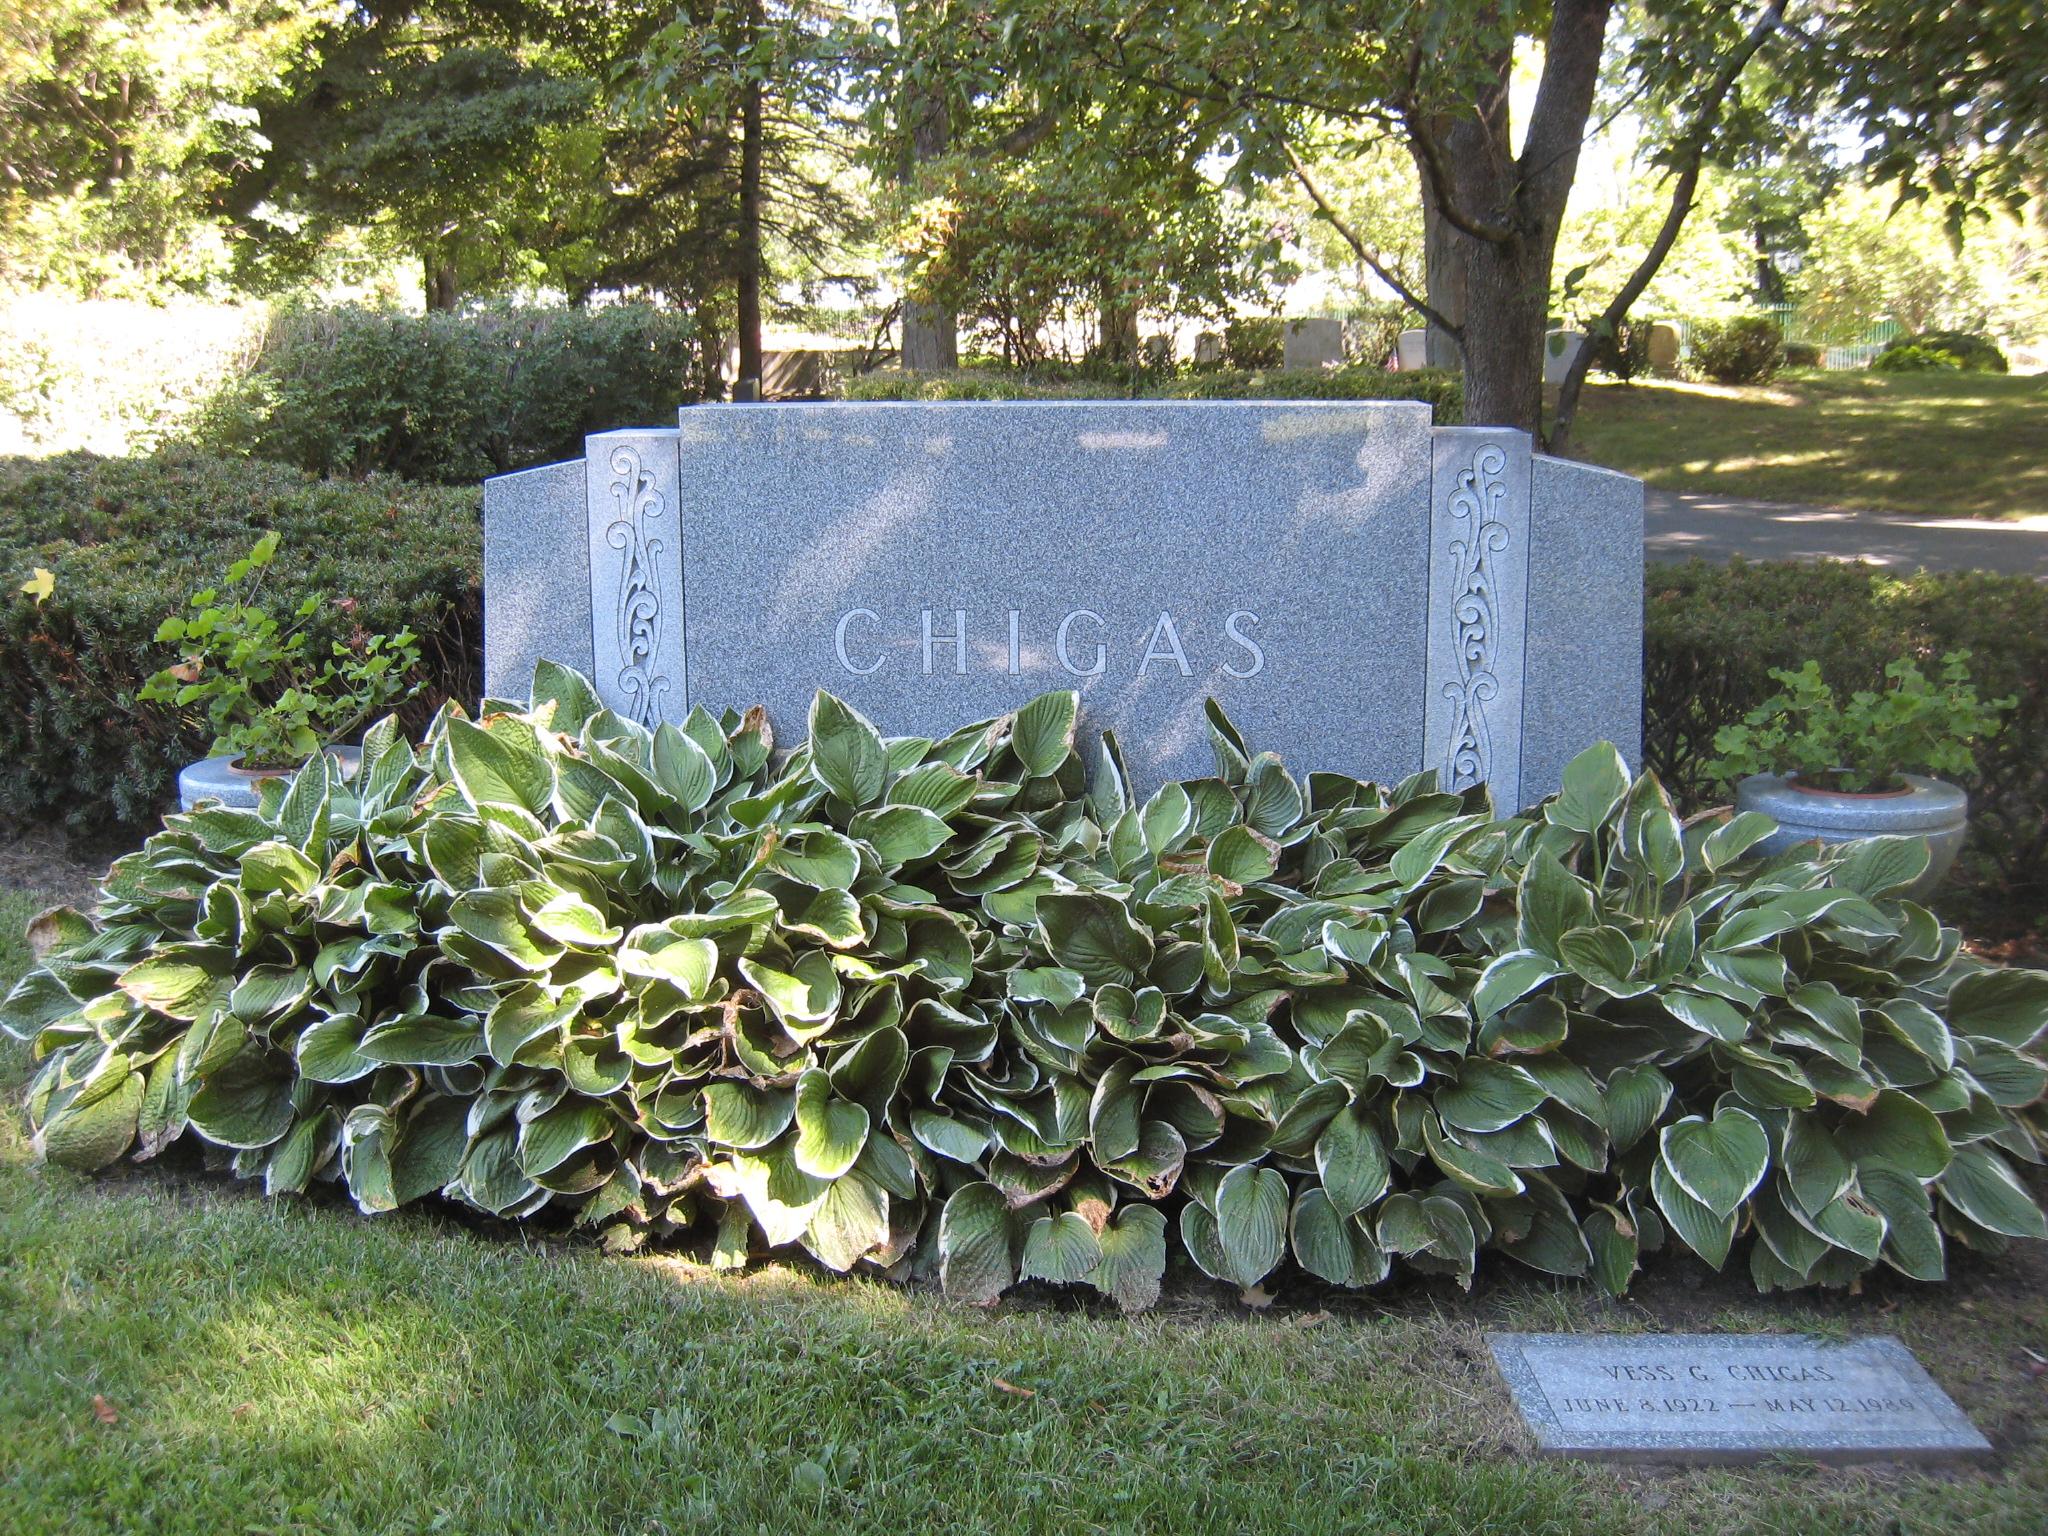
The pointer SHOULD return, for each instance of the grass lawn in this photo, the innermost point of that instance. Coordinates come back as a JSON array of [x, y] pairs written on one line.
[[1944, 445], [271, 1368]]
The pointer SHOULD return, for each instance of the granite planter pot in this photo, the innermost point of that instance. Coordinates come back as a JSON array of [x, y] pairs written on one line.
[[217, 778], [1928, 808]]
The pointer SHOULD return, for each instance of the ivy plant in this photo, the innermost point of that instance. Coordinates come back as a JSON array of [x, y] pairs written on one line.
[[972, 1008]]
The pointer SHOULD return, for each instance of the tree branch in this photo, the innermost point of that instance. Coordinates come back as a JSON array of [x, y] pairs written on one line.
[[1429, 154], [1692, 153], [1351, 238]]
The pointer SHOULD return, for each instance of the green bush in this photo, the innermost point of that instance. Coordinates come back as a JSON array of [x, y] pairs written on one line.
[[951, 1006], [1746, 350], [1260, 342], [1441, 389], [452, 398], [127, 540], [1802, 354], [1960, 351], [1713, 633]]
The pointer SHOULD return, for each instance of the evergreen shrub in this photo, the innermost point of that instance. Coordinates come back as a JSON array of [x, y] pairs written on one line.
[[453, 398], [128, 540], [970, 1008]]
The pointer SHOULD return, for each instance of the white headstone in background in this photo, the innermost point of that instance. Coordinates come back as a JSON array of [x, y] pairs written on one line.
[[1560, 349], [1362, 592], [1411, 350], [1312, 343]]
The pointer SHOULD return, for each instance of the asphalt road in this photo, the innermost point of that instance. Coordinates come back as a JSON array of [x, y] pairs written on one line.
[[1678, 526]]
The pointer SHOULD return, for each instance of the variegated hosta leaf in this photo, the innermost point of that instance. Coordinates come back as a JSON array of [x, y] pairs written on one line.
[[982, 1004]]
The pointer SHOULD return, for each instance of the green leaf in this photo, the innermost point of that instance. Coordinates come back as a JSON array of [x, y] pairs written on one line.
[[1714, 1016], [962, 1142], [94, 1130], [683, 768], [817, 857], [1480, 1172], [1094, 935], [171, 985], [494, 772], [1634, 1098], [574, 699], [523, 1015], [1728, 842], [1352, 1161], [1488, 1096], [830, 1130], [1982, 1185], [1595, 782], [1552, 902], [1900, 1131], [1881, 866], [424, 1041], [1131, 1257], [1324, 1239], [936, 787], [1603, 957], [1708, 1235], [804, 1001], [847, 755], [1251, 1223], [247, 1104], [1719, 1161], [901, 834], [2009, 1006], [871, 1070], [1614, 1252], [1240, 855], [1062, 1249], [547, 1141], [1042, 732], [975, 1263], [850, 1222], [1510, 977], [741, 1115]]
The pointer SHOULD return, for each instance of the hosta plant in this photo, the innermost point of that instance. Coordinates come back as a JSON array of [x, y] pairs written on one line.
[[967, 1006]]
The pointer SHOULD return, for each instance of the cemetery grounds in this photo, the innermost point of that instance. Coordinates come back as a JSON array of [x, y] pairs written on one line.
[[1958, 445], [178, 1354]]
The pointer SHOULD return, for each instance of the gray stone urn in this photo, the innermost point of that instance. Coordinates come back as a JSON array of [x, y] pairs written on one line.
[[217, 778], [1928, 808]]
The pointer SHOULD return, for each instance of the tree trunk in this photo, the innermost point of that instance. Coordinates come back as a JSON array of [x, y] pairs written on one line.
[[1443, 255], [931, 332], [1506, 212], [747, 386], [443, 290]]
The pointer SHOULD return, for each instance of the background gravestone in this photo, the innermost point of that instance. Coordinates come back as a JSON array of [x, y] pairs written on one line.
[[1314, 343], [1360, 591]]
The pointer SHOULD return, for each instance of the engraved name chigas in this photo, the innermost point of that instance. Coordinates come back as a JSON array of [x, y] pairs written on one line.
[[637, 615], [941, 642], [1476, 503]]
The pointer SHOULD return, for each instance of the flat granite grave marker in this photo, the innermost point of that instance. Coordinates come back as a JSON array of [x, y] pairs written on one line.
[[1362, 592], [1718, 1397]]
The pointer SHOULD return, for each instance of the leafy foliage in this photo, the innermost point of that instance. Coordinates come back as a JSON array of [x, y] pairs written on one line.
[[266, 700], [356, 390], [128, 540], [946, 1004], [1713, 633], [1960, 351], [1746, 350], [1866, 743]]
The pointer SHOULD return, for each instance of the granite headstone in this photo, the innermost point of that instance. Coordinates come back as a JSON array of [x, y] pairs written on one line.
[[1312, 343], [1362, 592], [1718, 1397]]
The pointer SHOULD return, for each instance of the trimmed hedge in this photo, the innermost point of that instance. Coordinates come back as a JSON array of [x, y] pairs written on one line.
[[1712, 634], [1437, 387], [356, 390], [128, 540]]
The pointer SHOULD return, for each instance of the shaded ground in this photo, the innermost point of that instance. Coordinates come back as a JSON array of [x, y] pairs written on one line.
[[1930, 445]]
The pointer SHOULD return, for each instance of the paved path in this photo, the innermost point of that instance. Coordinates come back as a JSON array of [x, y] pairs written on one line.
[[1678, 526]]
